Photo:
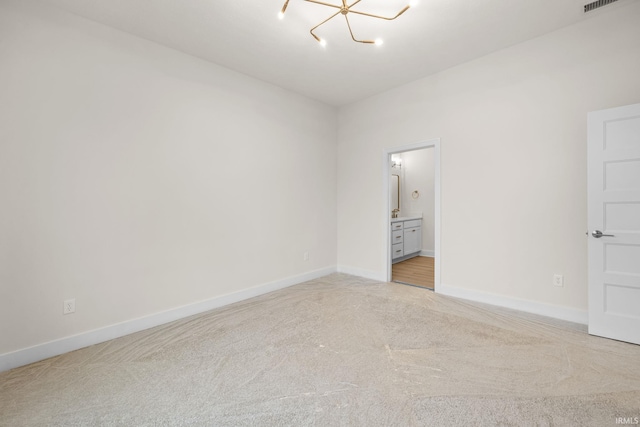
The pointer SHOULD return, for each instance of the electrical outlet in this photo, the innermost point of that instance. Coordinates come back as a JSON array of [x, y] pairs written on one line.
[[69, 306], [306, 256], [558, 280]]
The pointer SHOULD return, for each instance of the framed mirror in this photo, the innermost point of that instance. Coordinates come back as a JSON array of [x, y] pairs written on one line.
[[395, 192]]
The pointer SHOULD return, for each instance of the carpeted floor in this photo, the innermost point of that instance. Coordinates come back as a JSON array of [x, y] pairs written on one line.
[[339, 350]]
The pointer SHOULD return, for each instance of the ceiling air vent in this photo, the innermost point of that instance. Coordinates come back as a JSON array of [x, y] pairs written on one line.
[[596, 4]]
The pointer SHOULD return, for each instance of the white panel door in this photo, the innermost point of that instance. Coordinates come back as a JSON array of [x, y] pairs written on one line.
[[614, 223]]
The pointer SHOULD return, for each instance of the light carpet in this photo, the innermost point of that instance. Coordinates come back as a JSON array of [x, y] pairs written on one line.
[[339, 350]]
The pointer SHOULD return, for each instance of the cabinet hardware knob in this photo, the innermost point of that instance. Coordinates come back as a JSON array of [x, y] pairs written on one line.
[[398, 251]]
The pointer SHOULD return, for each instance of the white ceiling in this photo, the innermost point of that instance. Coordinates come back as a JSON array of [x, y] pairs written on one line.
[[246, 36]]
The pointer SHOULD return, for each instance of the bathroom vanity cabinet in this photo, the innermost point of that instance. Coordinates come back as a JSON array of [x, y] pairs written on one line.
[[406, 238]]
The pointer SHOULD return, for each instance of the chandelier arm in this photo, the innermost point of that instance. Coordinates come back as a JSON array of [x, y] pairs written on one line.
[[354, 3], [351, 32], [324, 4], [380, 17], [329, 18], [284, 8]]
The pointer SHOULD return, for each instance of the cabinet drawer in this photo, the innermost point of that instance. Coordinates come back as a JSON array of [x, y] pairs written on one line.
[[396, 237], [397, 251], [412, 223], [396, 225]]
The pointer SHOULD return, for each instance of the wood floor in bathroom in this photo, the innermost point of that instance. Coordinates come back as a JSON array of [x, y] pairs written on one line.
[[418, 271]]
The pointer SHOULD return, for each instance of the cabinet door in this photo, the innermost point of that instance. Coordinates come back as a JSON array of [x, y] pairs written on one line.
[[412, 240]]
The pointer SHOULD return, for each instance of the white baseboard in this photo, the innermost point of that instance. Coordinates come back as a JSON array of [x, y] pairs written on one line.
[[430, 254], [361, 272], [85, 339], [549, 310]]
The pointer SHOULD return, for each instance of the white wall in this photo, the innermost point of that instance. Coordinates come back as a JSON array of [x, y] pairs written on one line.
[[513, 158], [418, 167], [137, 179]]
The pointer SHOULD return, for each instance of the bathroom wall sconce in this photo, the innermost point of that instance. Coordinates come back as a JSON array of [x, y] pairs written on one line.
[[396, 162]]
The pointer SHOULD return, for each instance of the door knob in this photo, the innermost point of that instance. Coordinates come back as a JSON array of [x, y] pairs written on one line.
[[598, 234]]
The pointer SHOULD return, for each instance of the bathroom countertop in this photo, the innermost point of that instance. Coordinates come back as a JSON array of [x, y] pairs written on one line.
[[405, 218]]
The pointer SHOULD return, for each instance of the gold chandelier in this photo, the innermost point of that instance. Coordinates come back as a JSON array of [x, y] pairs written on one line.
[[344, 10]]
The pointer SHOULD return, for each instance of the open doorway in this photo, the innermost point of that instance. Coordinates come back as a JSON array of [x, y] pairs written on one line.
[[412, 187]]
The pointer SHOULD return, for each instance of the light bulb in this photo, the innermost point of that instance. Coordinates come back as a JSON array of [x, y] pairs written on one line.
[[323, 42], [378, 42], [413, 3], [280, 15]]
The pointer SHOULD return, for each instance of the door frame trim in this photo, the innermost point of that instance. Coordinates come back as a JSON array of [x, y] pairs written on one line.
[[386, 169]]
